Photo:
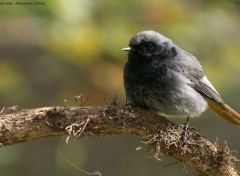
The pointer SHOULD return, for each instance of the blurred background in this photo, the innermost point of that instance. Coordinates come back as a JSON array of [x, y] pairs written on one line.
[[51, 52]]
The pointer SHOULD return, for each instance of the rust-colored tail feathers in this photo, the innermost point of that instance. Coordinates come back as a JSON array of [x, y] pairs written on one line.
[[225, 111]]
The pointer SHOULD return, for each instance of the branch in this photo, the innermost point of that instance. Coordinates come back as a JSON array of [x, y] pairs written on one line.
[[156, 132]]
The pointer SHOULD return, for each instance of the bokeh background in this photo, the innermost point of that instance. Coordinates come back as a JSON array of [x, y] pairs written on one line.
[[50, 53]]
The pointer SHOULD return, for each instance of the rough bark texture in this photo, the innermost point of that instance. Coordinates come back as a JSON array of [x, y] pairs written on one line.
[[157, 133]]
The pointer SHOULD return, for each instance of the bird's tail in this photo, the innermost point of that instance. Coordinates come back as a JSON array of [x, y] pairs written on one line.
[[225, 111]]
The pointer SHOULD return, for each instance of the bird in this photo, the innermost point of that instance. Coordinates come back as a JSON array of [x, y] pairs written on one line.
[[162, 77]]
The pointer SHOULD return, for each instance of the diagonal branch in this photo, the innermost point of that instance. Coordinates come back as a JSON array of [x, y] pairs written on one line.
[[157, 132]]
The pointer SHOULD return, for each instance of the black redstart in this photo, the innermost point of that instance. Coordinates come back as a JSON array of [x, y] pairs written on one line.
[[162, 77]]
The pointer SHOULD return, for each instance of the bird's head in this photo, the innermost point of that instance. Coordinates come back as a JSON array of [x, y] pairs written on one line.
[[151, 44]]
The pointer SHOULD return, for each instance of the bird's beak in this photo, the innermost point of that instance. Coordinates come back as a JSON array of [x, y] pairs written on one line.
[[126, 49]]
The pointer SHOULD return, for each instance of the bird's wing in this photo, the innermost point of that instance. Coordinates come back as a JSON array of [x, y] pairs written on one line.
[[202, 85], [193, 72], [199, 81]]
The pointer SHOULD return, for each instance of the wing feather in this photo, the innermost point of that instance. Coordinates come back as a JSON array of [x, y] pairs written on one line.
[[202, 85]]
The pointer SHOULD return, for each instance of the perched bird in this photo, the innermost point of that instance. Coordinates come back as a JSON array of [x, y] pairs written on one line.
[[162, 77]]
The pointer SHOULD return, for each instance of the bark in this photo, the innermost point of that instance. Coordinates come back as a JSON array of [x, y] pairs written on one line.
[[157, 133]]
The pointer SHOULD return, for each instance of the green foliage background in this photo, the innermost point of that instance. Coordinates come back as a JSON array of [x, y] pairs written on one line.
[[52, 52]]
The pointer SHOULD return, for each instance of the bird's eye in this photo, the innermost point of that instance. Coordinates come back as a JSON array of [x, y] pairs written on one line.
[[151, 46]]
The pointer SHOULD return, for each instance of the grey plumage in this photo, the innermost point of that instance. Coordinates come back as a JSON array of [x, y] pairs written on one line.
[[162, 77]]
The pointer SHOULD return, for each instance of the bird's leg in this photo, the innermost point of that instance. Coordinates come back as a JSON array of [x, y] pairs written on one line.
[[128, 103], [185, 128]]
